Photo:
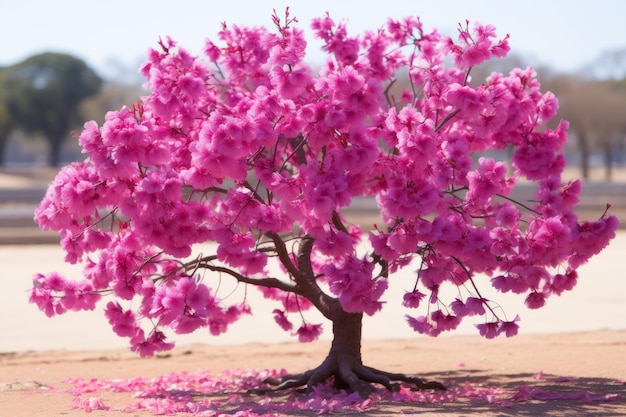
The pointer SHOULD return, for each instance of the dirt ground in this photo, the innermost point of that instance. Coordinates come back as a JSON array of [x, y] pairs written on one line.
[[554, 364]]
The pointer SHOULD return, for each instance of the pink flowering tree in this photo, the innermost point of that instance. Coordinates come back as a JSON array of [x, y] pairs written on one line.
[[251, 149]]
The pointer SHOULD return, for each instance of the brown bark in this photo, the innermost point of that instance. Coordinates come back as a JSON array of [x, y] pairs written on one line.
[[343, 362], [347, 335]]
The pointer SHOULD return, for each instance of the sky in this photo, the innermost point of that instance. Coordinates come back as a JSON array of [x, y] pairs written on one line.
[[563, 35]]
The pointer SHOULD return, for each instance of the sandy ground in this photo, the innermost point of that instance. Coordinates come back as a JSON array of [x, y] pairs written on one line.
[[587, 362]]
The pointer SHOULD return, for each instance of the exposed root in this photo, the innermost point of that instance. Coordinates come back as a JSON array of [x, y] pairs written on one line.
[[350, 374]]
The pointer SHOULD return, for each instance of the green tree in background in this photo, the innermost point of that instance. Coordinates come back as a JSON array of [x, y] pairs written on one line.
[[597, 114], [6, 123], [42, 94]]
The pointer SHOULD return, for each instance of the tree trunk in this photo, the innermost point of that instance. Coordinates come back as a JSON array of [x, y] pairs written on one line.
[[583, 147], [3, 145], [55, 152], [347, 335], [608, 162], [343, 363], [344, 359]]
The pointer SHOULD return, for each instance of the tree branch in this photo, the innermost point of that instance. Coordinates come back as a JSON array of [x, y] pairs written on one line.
[[447, 119], [283, 254], [338, 223], [517, 202], [471, 280], [306, 282], [262, 282], [205, 263]]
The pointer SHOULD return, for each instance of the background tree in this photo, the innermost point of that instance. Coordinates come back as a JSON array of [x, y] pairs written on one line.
[[112, 95], [251, 150], [613, 141], [596, 111], [6, 122], [43, 92]]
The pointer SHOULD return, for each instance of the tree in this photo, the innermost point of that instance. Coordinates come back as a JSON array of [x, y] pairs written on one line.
[[609, 65], [42, 94], [596, 112], [6, 124], [112, 95], [254, 152]]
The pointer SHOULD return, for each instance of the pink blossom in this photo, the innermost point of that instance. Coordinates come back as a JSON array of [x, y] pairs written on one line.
[[408, 199], [281, 319], [536, 162], [475, 305], [79, 296], [489, 330], [476, 46], [53, 294], [412, 299], [563, 282], [309, 332], [155, 395], [404, 239], [335, 244], [123, 322], [488, 179], [420, 324], [535, 300], [291, 83], [354, 285], [471, 102], [153, 344], [89, 404], [44, 301], [442, 322], [510, 328], [508, 216], [458, 307]]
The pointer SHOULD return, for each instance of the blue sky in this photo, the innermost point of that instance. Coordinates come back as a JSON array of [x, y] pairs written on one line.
[[563, 35]]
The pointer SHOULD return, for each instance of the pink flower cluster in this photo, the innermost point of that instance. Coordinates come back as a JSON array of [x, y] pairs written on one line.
[[250, 148], [54, 295]]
